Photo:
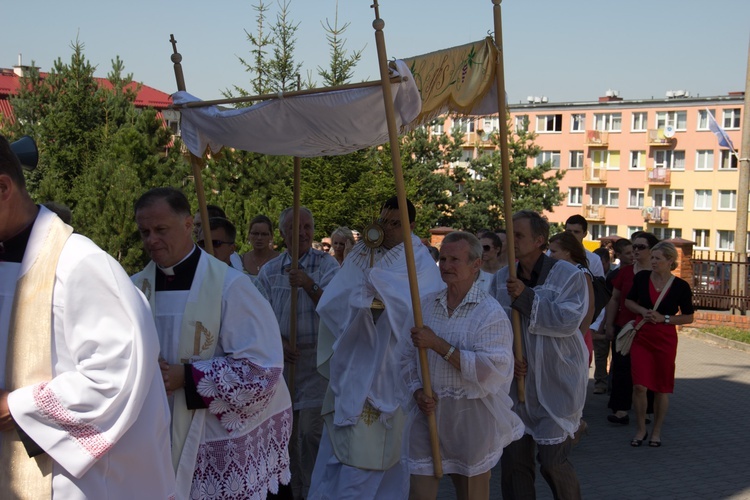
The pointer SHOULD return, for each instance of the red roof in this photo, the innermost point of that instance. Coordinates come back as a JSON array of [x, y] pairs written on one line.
[[147, 96]]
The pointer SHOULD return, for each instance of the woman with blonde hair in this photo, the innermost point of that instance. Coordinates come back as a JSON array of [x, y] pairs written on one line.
[[342, 240]]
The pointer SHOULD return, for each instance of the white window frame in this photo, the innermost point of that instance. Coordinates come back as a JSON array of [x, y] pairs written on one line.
[[521, 123], [639, 121], [728, 161], [703, 119], [703, 199], [545, 156], [609, 197], [608, 122], [598, 231], [727, 201], [578, 123], [554, 119], [579, 164], [575, 196], [725, 239], [677, 119], [702, 239], [638, 158], [674, 199], [731, 118], [704, 160], [633, 229], [490, 124], [667, 233], [669, 159], [436, 128], [605, 159], [638, 195]]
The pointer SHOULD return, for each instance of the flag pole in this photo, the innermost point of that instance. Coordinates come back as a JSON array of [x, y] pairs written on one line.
[[378, 24], [194, 160], [743, 165], [507, 198]]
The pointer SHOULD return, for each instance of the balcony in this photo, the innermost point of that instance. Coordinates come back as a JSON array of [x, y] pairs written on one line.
[[594, 212], [597, 139], [656, 215], [657, 138], [658, 176], [595, 174]]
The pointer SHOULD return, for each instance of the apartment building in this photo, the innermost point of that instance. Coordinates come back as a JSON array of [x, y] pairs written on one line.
[[648, 164]]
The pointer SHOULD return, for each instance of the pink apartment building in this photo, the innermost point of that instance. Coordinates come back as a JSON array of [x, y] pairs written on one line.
[[636, 164]]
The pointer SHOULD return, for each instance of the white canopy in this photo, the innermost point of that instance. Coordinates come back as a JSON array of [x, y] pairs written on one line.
[[328, 123]]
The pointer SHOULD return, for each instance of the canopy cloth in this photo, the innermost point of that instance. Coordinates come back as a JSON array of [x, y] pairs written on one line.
[[325, 124]]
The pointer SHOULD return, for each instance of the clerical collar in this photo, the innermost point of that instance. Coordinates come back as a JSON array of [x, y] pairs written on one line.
[[180, 276], [12, 249]]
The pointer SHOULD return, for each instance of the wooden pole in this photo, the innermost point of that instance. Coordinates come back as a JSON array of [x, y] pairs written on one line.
[[378, 24], [295, 264], [281, 95], [507, 198], [194, 163]]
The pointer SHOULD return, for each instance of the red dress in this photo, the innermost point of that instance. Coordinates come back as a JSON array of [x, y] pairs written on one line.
[[653, 353]]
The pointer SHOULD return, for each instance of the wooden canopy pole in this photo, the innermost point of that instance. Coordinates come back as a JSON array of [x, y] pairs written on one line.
[[295, 264], [507, 198], [378, 24], [205, 226]]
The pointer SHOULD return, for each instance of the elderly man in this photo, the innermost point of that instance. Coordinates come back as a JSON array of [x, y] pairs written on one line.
[[470, 353], [315, 271], [551, 297], [82, 409], [365, 317], [221, 360]]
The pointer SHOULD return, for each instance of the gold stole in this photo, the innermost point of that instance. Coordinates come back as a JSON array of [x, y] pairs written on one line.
[[29, 361], [199, 336]]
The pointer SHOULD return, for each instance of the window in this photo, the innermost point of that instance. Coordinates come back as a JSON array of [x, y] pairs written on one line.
[[732, 118], [611, 122], [670, 198], [635, 198], [674, 160], [726, 240], [436, 128], [703, 118], [601, 230], [704, 159], [703, 199], [575, 196], [576, 159], [638, 160], [666, 233], [702, 238], [727, 199], [728, 160], [578, 123], [490, 124], [640, 122], [633, 229], [465, 125], [549, 123], [605, 196], [605, 159], [677, 119], [521, 123], [549, 156]]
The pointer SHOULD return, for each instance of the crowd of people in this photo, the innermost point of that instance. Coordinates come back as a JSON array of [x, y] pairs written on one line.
[[308, 373]]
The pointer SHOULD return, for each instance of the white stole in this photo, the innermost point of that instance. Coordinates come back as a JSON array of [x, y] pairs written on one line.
[[199, 336]]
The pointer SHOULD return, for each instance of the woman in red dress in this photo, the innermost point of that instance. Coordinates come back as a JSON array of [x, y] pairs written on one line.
[[654, 348]]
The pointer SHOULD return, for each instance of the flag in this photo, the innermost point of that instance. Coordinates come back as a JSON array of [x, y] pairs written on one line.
[[724, 140]]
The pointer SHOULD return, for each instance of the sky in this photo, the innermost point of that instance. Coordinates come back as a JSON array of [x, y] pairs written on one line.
[[565, 51]]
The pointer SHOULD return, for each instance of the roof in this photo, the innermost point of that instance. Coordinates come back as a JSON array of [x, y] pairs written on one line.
[[147, 96]]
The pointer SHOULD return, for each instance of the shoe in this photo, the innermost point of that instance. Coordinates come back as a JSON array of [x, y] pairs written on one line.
[[654, 444], [635, 442], [600, 390], [618, 420]]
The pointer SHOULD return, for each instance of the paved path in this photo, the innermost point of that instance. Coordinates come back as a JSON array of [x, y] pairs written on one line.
[[706, 436]]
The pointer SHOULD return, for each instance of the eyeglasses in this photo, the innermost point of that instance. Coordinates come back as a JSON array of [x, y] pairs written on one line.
[[640, 247], [256, 234], [216, 243], [385, 223], [486, 248]]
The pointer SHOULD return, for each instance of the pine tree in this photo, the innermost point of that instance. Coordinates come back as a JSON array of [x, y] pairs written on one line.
[[341, 66], [283, 70]]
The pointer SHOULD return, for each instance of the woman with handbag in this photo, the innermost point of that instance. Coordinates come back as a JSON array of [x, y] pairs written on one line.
[[654, 348]]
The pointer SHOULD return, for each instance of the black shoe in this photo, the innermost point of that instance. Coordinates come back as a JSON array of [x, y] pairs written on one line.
[[635, 442], [618, 420]]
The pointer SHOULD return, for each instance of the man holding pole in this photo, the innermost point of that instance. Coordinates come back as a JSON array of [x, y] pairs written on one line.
[[551, 297], [221, 363], [315, 271], [366, 314]]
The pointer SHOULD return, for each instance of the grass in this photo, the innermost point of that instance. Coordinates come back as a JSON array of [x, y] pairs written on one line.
[[729, 333]]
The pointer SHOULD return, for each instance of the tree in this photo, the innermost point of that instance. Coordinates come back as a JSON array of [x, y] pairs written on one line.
[[534, 188], [284, 71], [259, 67], [341, 66]]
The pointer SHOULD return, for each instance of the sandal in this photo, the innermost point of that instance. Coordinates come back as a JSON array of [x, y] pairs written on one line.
[[654, 444], [635, 442]]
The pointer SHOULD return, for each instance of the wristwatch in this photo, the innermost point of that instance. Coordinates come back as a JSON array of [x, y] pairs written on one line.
[[666, 318], [314, 289]]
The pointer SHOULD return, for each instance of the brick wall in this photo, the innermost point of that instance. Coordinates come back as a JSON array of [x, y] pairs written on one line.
[[718, 318]]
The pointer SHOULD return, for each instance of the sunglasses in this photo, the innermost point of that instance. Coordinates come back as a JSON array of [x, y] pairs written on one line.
[[640, 247], [216, 243]]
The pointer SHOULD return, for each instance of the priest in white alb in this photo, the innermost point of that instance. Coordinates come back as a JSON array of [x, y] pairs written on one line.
[[221, 361], [83, 413]]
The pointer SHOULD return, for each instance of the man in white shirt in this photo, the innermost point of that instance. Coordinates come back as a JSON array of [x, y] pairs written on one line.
[[82, 407]]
